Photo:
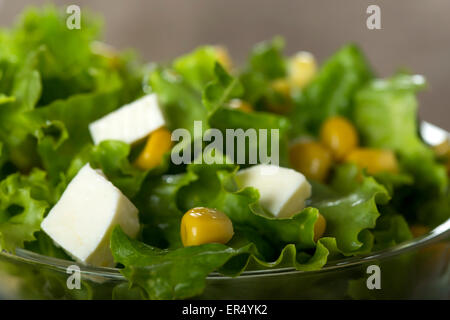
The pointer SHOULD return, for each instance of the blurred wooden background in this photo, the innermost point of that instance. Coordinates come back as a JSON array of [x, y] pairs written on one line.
[[415, 34]]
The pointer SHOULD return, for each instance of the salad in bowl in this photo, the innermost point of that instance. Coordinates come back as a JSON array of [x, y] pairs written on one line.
[[178, 171]]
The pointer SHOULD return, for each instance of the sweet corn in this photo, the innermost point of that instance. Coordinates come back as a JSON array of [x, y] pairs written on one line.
[[223, 57], [374, 160], [443, 152], [302, 69], [311, 159], [204, 225], [418, 230], [241, 105], [319, 227], [282, 86], [442, 149], [159, 142], [339, 135], [108, 52]]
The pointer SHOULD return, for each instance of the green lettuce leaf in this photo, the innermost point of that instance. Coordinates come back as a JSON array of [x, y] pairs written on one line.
[[8, 51], [267, 59], [434, 212], [332, 90], [6, 99], [53, 84], [64, 60], [47, 27], [112, 158], [290, 257], [197, 67], [62, 128], [26, 88], [23, 203], [350, 208], [3, 159], [225, 118], [386, 117], [391, 229], [165, 274], [8, 69], [391, 102], [265, 64], [180, 103], [221, 90], [158, 211], [394, 181], [181, 273], [15, 127]]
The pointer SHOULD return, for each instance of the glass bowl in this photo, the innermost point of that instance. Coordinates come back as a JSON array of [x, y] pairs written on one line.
[[416, 269]]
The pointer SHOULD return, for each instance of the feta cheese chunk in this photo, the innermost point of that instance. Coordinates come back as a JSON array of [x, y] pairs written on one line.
[[130, 123], [282, 191], [82, 220]]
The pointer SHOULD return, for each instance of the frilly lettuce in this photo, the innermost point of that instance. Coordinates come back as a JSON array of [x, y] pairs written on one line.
[[62, 129], [385, 115], [266, 63], [181, 273], [23, 203], [391, 229], [221, 90], [197, 67], [260, 241], [350, 208], [332, 90], [23, 91], [180, 102], [52, 85], [52, 82]]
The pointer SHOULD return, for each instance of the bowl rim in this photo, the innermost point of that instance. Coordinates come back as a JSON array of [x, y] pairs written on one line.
[[437, 234]]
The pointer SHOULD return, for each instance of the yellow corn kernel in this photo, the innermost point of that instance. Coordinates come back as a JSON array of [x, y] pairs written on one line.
[[418, 230], [204, 225], [443, 152], [374, 160], [223, 57], [302, 69], [443, 149], [111, 55], [319, 227], [339, 135], [282, 86], [241, 105], [312, 159], [158, 143]]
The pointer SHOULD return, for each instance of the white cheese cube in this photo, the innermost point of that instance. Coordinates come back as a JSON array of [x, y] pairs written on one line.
[[130, 123], [282, 191], [82, 220]]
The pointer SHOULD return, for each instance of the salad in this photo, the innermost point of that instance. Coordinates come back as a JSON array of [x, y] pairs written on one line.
[[110, 162]]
